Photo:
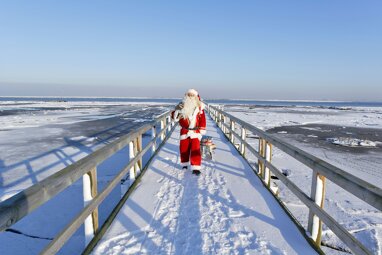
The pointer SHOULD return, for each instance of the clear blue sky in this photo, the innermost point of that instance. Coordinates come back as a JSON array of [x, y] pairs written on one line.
[[226, 49]]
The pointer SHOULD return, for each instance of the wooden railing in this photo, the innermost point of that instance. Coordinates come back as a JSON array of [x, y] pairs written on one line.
[[321, 170], [23, 203]]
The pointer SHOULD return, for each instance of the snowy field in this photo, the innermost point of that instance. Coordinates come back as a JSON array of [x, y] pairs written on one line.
[[39, 138], [349, 138]]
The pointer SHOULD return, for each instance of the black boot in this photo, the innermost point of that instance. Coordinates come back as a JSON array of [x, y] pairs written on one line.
[[184, 168], [196, 172]]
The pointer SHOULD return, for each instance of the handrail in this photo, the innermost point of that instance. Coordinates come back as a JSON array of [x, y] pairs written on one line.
[[16, 207], [360, 188], [321, 170]]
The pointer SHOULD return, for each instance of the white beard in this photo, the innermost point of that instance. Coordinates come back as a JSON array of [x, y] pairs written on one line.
[[189, 106]]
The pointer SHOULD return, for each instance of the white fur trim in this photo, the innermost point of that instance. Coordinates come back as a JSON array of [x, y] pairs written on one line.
[[176, 115], [195, 167], [192, 135], [193, 119], [183, 137], [184, 163], [203, 131], [192, 91], [195, 135]]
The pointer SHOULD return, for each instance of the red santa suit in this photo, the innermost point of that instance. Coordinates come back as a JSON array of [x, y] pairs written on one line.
[[191, 133]]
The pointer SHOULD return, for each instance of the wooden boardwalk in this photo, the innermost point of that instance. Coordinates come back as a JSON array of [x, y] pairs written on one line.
[[226, 210]]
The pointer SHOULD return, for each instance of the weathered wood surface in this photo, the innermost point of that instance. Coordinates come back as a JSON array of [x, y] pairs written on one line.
[[94, 191]]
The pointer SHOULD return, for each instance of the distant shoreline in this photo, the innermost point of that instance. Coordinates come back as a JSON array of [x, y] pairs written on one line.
[[213, 99], [254, 102]]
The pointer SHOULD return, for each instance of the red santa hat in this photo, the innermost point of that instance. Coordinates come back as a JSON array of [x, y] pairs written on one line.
[[195, 93]]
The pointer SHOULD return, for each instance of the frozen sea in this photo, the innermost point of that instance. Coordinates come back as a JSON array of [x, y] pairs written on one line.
[[349, 137], [39, 136]]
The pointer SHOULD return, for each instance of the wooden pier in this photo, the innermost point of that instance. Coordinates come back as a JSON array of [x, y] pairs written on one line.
[[230, 135]]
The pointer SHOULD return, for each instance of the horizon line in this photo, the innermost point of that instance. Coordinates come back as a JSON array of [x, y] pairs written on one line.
[[229, 99]]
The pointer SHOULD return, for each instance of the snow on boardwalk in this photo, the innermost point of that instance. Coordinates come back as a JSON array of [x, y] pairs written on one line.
[[226, 210]]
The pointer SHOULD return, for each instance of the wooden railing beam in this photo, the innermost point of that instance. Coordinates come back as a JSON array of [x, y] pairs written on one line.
[[358, 187], [66, 233], [317, 215], [23, 203]]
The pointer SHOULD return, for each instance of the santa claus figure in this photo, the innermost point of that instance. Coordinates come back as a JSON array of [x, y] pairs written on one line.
[[192, 120]]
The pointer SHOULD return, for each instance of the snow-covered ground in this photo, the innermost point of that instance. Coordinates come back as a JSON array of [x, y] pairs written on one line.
[[225, 210], [40, 138], [349, 138], [22, 114]]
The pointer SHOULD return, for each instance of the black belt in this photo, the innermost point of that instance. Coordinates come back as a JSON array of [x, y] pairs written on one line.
[[195, 128]]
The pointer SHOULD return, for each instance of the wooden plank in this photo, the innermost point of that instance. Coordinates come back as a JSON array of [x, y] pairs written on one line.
[[317, 195], [261, 153], [162, 128], [313, 190], [232, 130], [243, 137], [94, 191], [132, 172], [139, 148], [268, 158], [153, 135], [137, 168]]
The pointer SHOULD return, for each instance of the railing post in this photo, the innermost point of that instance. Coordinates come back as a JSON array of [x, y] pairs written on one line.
[[268, 157], [232, 127], [89, 181], [242, 145], [219, 117], [161, 129], [168, 124], [138, 148], [172, 121], [153, 135], [132, 169], [223, 127], [318, 195], [261, 152], [134, 147], [222, 122]]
